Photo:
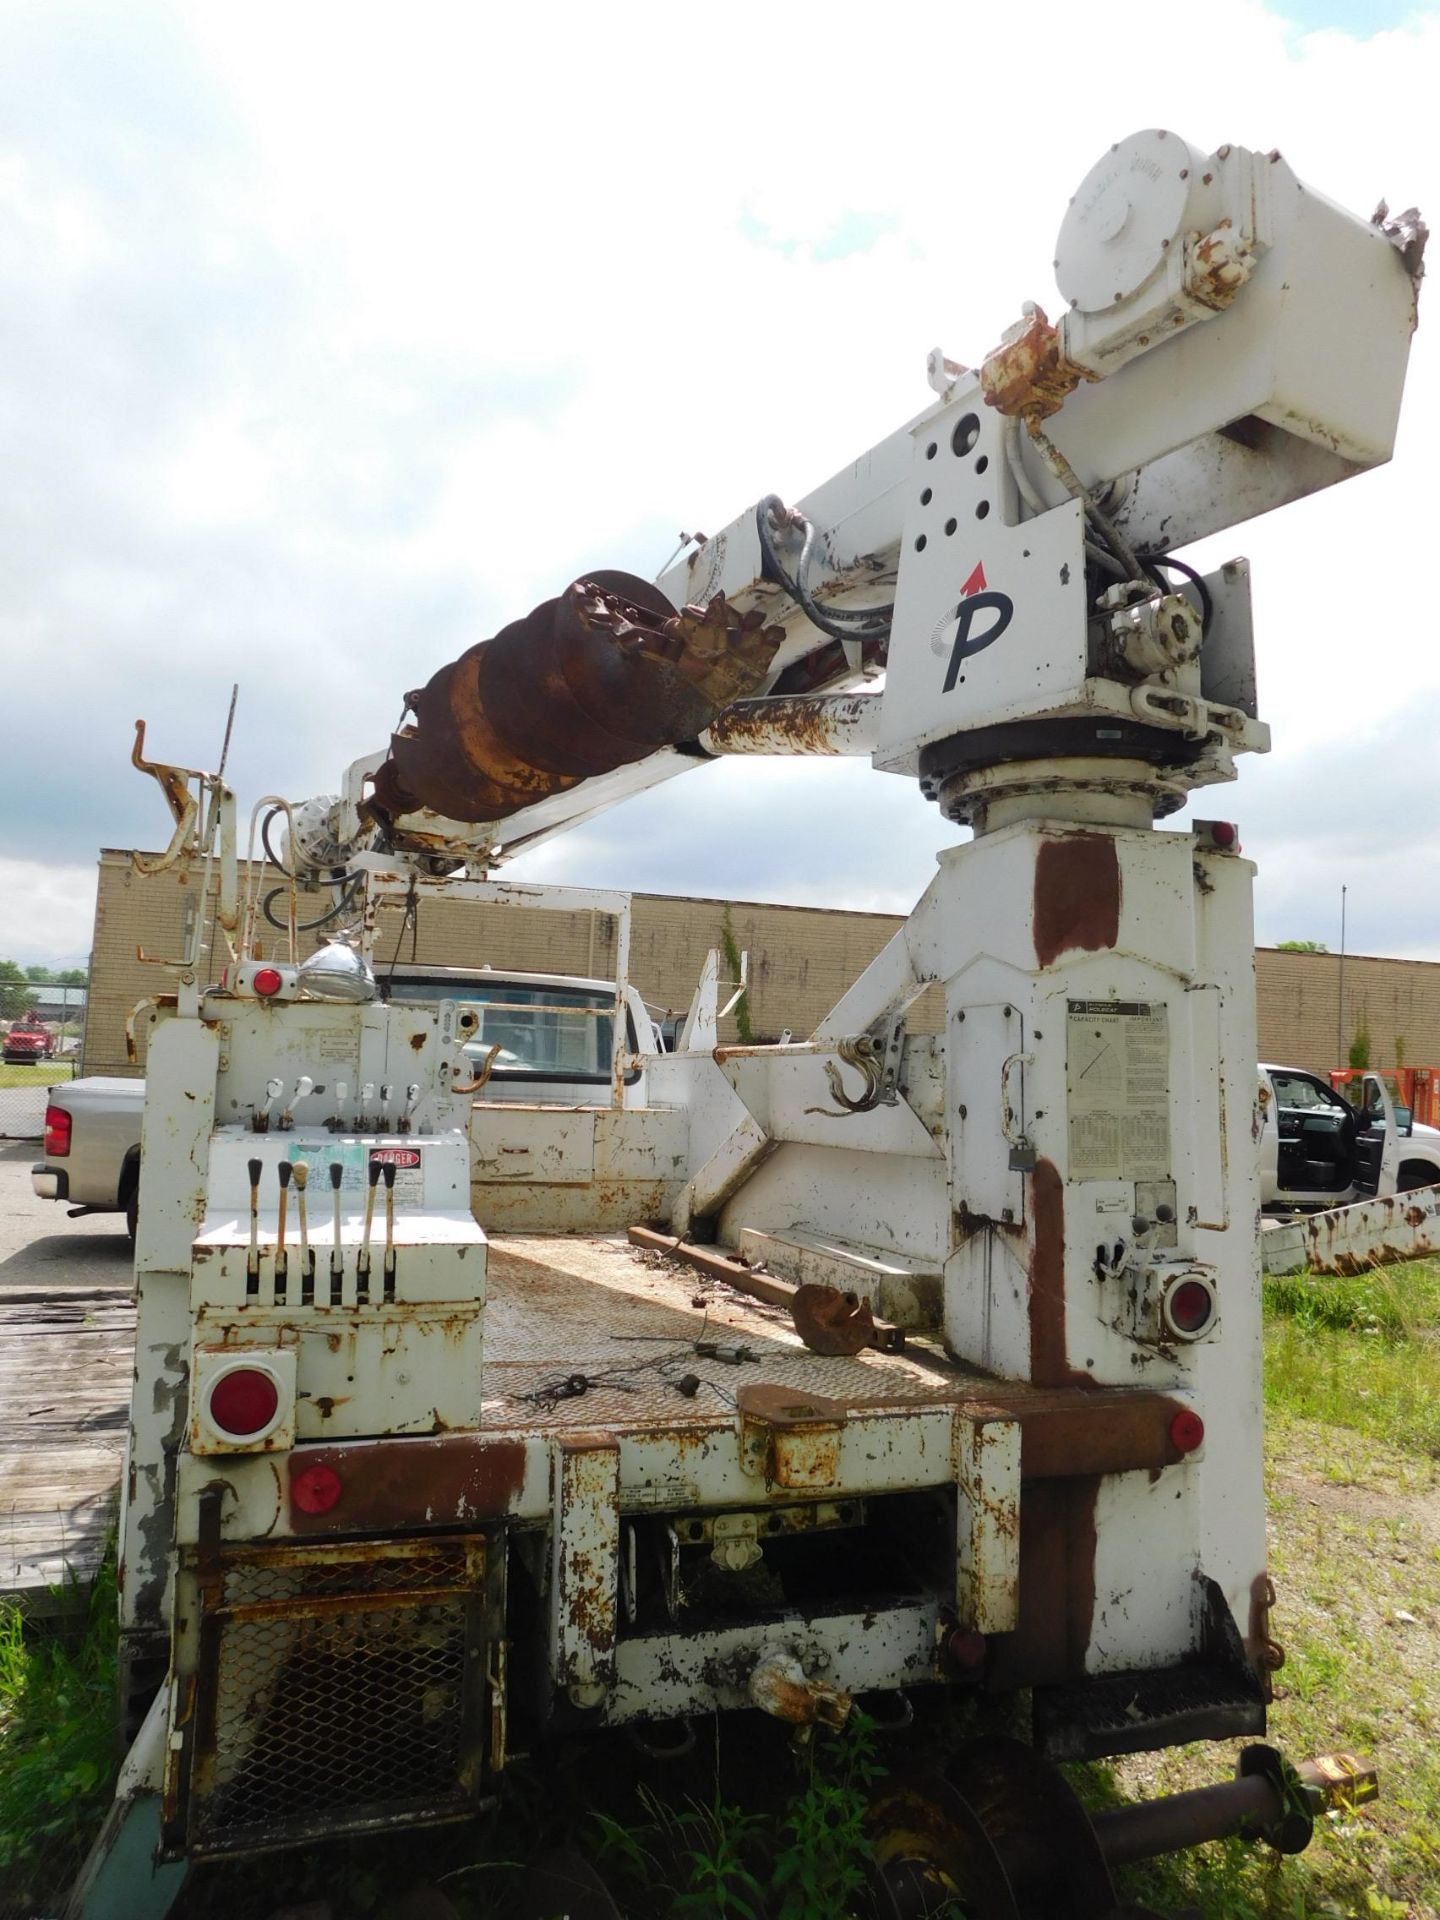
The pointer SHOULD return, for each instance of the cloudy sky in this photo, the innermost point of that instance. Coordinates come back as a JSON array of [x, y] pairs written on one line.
[[332, 337]]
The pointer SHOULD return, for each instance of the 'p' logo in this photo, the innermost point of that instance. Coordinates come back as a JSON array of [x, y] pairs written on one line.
[[977, 604]]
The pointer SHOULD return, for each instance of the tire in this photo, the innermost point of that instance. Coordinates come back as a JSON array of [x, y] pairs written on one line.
[[1416, 1173], [130, 1197]]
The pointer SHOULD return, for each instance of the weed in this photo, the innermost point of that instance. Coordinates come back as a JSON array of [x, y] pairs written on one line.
[[57, 1742], [690, 1862], [820, 1866], [731, 949]]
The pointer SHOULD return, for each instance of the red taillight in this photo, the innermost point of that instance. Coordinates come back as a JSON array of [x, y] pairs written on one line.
[[57, 1133], [243, 1402], [1187, 1431], [1189, 1308], [1225, 833], [315, 1489], [266, 981]]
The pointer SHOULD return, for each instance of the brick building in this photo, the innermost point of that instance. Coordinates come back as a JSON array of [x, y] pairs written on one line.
[[801, 961]]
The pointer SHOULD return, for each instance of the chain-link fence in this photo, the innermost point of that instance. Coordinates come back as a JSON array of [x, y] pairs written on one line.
[[24, 1096], [42, 1036]]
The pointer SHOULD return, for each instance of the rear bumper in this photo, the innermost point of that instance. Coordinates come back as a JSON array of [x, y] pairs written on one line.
[[51, 1183]]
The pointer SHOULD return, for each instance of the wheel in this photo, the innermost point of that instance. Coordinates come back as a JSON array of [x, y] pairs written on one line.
[[131, 1189], [1415, 1173]]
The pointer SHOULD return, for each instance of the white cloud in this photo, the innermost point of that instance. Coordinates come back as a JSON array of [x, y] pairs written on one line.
[[338, 340], [47, 914]]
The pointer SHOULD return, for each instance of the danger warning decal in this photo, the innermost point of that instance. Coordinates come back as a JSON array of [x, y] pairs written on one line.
[[395, 1156], [979, 608]]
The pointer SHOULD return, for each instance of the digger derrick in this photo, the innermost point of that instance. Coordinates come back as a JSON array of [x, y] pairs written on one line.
[[602, 676], [457, 1465]]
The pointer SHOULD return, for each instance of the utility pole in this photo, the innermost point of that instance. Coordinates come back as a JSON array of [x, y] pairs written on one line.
[[1341, 1057]]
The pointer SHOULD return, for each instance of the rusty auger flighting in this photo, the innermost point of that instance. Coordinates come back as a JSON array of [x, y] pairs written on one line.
[[597, 679]]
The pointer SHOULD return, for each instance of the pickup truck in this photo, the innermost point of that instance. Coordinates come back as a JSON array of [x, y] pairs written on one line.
[[28, 1039], [547, 1039], [1319, 1150]]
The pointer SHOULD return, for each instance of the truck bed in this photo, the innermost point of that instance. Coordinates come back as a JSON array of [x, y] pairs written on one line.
[[557, 1306]]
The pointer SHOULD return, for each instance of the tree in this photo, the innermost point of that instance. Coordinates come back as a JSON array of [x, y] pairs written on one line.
[[72, 977], [1360, 1050], [1301, 946], [42, 976], [14, 990]]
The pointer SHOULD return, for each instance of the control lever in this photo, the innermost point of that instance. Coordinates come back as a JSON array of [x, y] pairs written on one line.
[[337, 1258], [385, 1093], [307, 1258], [303, 1086], [362, 1267], [367, 1094], [281, 1257], [252, 1259], [260, 1122], [389, 1175], [337, 1121], [412, 1101]]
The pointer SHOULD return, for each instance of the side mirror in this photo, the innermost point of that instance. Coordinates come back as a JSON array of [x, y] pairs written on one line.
[[1405, 1121]]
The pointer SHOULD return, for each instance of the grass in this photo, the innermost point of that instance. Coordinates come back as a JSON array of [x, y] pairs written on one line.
[[1361, 1353], [57, 1743], [44, 1073], [1354, 1549]]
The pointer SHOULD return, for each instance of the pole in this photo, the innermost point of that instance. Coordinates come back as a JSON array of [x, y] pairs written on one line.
[[1342, 1059]]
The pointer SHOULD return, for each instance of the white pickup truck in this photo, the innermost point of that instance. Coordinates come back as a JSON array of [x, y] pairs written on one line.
[[543, 1039], [1319, 1150]]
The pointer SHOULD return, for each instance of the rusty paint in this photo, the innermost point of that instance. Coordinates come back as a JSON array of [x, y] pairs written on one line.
[[780, 1687], [1217, 267], [1064, 1434], [790, 1437], [1049, 1362], [585, 1564], [1028, 374], [793, 723], [392, 1484], [1373, 1233], [1057, 1587], [1077, 895], [596, 679]]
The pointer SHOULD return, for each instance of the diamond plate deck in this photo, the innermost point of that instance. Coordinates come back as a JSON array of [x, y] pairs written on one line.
[[594, 1305]]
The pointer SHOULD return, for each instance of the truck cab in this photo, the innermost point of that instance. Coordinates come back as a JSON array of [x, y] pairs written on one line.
[[542, 1039], [1318, 1149]]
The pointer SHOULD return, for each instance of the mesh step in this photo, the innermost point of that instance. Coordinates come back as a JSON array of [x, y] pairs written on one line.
[[1134, 1712]]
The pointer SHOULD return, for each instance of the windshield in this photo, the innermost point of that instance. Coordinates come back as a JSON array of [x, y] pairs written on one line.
[[543, 1032]]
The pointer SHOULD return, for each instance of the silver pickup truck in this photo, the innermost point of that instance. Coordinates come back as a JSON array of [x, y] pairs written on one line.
[[553, 1033], [92, 1147]]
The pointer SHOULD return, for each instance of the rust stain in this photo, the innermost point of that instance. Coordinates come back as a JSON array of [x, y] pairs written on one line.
[[388, 1484], [1077, 895], [1029, 375], [788, 722], [1096, 1433], [1049, 1363], [1057, 1587]]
